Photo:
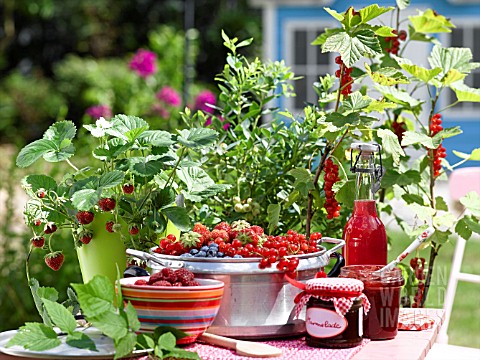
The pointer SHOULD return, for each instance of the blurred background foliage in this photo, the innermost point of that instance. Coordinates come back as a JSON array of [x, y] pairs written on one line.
[[59, 58]]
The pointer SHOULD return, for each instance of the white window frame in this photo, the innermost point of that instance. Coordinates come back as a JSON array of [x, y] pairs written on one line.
[[309, 25], [468, 110]]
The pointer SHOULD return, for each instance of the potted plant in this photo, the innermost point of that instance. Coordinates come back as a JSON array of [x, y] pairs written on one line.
[[125, 195]]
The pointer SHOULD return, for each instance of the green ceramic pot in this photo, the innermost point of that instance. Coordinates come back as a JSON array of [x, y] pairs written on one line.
[[105, 251]]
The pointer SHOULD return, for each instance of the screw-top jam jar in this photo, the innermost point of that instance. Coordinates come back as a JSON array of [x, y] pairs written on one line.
[[335, 308], [383, 292]]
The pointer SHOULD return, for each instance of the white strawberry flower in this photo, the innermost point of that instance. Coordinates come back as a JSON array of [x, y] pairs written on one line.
[[99, 130]]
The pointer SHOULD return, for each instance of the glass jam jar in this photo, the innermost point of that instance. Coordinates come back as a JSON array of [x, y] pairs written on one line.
[[334, 316], [383, 292]]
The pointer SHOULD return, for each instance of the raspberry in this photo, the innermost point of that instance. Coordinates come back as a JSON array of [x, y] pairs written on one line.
[[109, 226], [38, 241], [85, 217], [128, 189], [140, 282], [193, 283], [162, 283], [106, 204], [50, 228], [184, 275], [169, 275], [154, 278]]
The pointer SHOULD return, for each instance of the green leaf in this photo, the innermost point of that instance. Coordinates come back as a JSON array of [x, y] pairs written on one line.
[[445, 220], [42, 292], [167, 341], [465, 93], [346, 194], [466, 226], [111, 179], [149, 166], [301, 175], [454, 58], [122, 126], [424, 213], [60, 316], [387, 76], [402, 4], [351, 48], [40, 182], [373, 11], [390, 144], [335, 14], [81, 340], [96, 297], [392, 177], [429, 22], [449, 132], [452, 76], [197, 137], [112, 149], [178, 216], [132, 317], [383, 31], [85, 199], [399, 96], [472, 202], [474, 155], [273, 216], [412, 137], [320, 40], [440, 237], [340, 120], [156, 138], [356, 102], [195, 178], [125, 345], [183, 354], [440, 203], [34, 151], [35, 337], [111, 324], [61, 131], [413, 199], [379, 106], [419, 72]]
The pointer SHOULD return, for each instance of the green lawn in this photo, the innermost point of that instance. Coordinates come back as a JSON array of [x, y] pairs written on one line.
[[464, 327]]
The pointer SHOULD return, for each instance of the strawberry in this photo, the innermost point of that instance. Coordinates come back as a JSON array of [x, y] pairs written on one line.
[[37, 222], [220, 234], [133, 230], [50, 228], [222, 226], [84, 217], [85, 238], [41, 193], [107, 204], [38, 241], [54, 260], [109, 226], [128, 189]]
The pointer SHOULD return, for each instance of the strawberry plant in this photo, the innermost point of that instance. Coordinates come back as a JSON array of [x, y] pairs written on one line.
[[377, 95], [134, 174]]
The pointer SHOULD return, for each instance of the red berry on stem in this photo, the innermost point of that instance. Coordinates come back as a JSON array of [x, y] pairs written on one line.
[[128, 189], [85, 217], [50, 228], [38, 241], [109, 226], [107, 204], [54, 260]]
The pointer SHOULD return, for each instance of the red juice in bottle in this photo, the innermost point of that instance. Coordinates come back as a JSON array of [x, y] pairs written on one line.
[[364, 233]]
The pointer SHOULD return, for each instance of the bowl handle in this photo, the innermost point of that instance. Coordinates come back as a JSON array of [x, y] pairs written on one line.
[[335, 271]]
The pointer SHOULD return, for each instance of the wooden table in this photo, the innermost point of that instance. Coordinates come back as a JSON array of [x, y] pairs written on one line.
[[407, 345]]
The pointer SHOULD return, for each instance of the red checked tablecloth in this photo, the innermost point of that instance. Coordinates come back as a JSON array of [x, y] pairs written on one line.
[[295, 349]]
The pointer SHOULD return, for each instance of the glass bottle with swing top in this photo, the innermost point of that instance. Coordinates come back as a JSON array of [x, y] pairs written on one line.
[[364, 233]]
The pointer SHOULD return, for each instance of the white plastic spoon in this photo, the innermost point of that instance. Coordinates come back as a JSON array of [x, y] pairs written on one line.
[[244, 348]]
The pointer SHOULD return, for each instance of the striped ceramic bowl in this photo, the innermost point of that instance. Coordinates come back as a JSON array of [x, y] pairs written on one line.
[[191, 309]]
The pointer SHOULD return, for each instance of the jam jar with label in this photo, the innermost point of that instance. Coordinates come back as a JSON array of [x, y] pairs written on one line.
[[335, 308]]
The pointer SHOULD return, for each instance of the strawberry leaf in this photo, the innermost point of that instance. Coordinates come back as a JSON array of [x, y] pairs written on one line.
[[125, 345], [34, 151], [81, 340], [111, 179], [178, 216], [39, 182], [157, 138], [35, 337], [85, 199], [198, 137], [127, 127], [132, 317], [60, 316]]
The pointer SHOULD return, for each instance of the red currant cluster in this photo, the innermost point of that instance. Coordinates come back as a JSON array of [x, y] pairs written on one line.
[[331, 177], [344, 75], [241, 240], [395, 41], [440, 152], [418, 265], [399, 129]]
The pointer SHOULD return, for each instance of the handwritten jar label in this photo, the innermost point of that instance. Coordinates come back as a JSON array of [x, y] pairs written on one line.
[[323, 323]]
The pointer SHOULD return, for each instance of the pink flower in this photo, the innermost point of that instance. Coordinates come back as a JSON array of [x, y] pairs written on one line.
[[161, 111], [204, 99], [169, 96], [143, 63], [208, 122], [98, 111]]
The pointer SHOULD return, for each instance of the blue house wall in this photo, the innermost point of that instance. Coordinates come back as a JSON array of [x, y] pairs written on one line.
[[466, 142]]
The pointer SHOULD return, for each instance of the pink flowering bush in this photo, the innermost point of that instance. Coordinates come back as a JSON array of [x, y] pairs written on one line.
[[144, 63], [205, 100], [169, 96], [98, 111]]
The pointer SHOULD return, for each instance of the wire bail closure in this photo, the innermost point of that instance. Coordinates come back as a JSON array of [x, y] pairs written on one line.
[[368, 150]]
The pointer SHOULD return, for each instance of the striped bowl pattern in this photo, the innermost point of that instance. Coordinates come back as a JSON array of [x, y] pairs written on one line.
[[191, 309]]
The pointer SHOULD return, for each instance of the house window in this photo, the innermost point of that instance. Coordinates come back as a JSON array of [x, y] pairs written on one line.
[[467, 36], [306, 61]]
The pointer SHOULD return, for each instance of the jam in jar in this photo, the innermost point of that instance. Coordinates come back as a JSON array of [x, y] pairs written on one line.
[[383, 292]]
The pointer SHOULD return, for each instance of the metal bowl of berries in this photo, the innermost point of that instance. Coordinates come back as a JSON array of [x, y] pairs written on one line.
[[258, 301]]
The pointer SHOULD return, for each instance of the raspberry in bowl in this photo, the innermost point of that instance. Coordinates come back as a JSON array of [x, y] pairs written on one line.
[[190, 306]]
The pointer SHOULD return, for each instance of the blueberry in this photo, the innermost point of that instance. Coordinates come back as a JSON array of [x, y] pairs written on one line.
[[236, 256], [213, 245], [212, 253], [186, 255], [194, 251], [204, 248], [133, 271], [220, 254], [201, 253]]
